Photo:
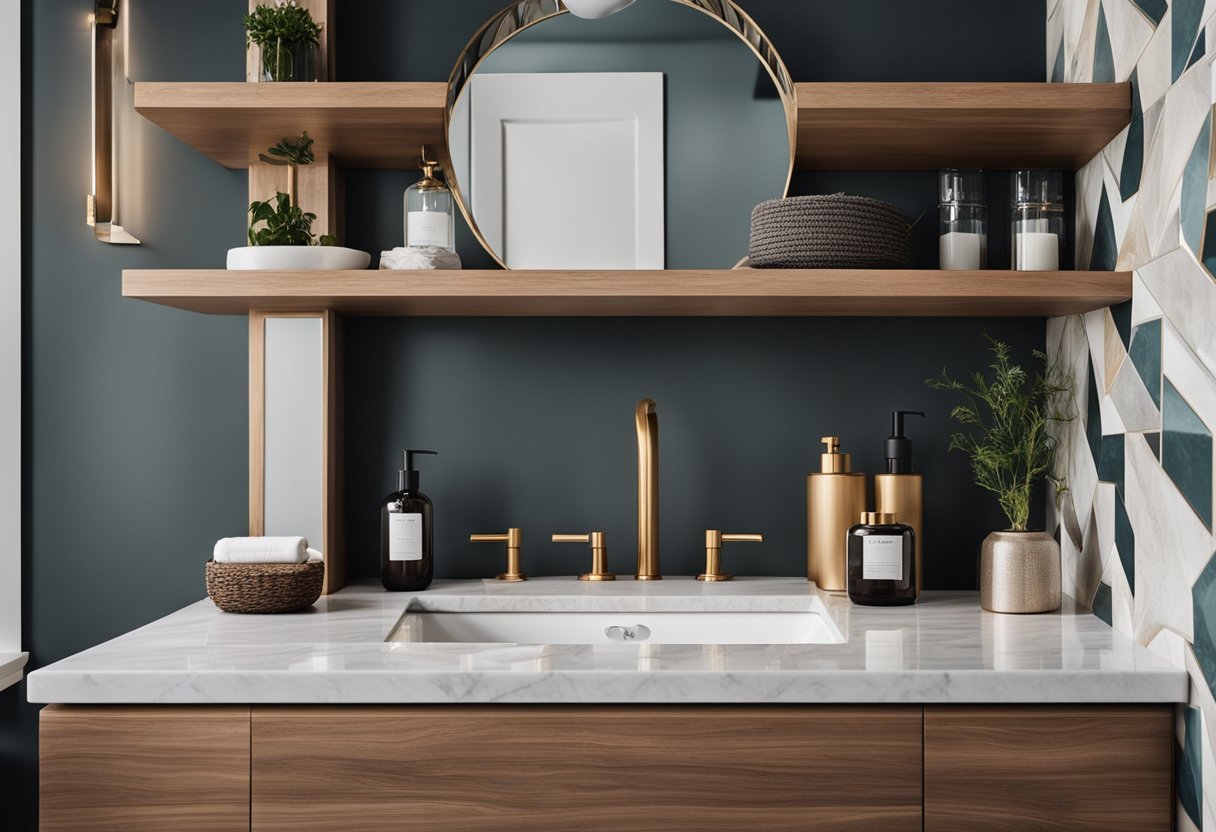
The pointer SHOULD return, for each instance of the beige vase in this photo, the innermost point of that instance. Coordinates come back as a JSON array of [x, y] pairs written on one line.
[[1020, 572]]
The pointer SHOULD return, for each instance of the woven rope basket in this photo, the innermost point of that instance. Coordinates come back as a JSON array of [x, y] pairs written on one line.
[[262, 588], [827, 232]]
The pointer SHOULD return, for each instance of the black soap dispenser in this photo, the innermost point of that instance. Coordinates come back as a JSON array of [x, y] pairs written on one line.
[[407, 557], [900, 491]]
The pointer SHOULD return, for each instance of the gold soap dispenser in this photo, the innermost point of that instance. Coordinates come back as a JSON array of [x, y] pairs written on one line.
[[835, 498]]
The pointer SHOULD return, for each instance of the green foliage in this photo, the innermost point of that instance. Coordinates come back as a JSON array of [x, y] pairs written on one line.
[[1008, 419], [290, 152], [283, 224], [283, 23]]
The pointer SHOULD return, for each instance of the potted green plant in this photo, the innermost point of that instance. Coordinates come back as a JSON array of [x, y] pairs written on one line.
[[280, 231], [287, 39], [1007, 416]]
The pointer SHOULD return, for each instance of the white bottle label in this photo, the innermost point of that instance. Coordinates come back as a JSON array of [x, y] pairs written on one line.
[[427, 228], [405, 536], [882, 557]]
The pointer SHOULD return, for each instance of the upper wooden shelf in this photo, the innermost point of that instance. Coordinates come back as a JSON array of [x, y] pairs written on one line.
[[744, 292], [363, 125], [910, 126], [877, 126]]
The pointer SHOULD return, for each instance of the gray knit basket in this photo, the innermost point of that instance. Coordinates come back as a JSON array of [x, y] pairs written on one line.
[[835, 231]]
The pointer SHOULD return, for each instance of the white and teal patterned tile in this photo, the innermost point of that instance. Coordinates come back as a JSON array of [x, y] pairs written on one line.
[[1185, 30], [1186, 294], [1133, 402], [1186, 107], [1121, 594], [1129, 31], [1081, 33], [1172, 545], [1145, 356], [1186, 451], [1153, 68], [1104, 519], [1144, 305]]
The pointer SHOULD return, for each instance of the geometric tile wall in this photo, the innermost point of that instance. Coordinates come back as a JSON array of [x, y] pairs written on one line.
[[1136, 525]]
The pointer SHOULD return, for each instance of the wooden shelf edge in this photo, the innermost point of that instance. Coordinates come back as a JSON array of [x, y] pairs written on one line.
[[760, 292], [876, 126]]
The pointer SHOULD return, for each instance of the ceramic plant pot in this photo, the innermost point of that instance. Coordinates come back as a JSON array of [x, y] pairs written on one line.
[[1020, 572], [297, 258]]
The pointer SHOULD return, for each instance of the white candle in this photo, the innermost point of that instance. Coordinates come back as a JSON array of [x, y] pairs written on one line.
[[960, 250], [1036, 251]]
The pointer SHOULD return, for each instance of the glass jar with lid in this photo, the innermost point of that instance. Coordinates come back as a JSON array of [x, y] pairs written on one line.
[[963, 220], [1037, 221]]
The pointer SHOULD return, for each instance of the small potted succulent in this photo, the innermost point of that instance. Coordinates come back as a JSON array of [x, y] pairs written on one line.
[[280, 231], [1008, 416], [287, 39]]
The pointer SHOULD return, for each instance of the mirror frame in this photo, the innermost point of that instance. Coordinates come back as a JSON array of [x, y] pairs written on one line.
[[524, 14]]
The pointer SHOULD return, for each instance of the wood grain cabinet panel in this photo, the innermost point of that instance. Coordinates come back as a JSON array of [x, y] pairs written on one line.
[[539, 768], [144, 768], [1050, 769]]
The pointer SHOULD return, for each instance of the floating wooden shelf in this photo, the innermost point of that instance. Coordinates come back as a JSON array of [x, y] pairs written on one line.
[[913, 126], [640, 293], [896, 126], [363, 125]]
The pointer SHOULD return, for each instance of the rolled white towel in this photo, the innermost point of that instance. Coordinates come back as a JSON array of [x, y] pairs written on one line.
[[261, 550]]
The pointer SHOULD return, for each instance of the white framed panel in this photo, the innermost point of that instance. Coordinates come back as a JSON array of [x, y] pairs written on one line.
[[12, 659], [567, 169], [294, 468]]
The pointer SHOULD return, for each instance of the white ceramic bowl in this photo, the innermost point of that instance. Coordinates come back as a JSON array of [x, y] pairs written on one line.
[[297, 258]]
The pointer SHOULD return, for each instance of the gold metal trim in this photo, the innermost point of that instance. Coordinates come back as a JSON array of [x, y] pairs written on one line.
[[713, 552], [514, 539], [646, 421], [599, 554], [524, 14]]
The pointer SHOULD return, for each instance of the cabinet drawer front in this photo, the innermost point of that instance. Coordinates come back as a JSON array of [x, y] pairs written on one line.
[[1054, 769], [541, 768], [144, 768]]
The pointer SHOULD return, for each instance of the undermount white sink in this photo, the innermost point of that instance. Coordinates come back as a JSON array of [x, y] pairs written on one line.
[[609, 627]]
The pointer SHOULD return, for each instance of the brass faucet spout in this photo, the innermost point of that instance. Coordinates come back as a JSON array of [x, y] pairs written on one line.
[[648, 491]]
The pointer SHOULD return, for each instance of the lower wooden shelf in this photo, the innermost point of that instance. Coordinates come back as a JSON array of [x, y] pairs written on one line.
[[743, 292]]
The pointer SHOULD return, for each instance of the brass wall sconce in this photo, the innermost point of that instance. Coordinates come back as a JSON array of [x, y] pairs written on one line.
[[109, 70]]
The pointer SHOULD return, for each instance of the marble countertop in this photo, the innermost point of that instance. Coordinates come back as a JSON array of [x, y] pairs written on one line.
[[944, 649]]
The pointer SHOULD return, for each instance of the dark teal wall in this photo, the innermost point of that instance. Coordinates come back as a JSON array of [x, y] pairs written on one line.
[[135, 434]]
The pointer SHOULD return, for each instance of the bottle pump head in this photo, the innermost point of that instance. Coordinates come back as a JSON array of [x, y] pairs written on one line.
[[832, 461], [899, 447], [407, 479]]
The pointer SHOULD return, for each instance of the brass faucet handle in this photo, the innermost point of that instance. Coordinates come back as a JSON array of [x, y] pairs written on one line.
[[713, 552], [514, 539], [599, 554]]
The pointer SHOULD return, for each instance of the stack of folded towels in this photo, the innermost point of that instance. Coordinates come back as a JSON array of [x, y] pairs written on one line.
[[263, 550]]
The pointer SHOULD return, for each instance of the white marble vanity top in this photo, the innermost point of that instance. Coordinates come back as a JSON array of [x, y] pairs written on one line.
[[944, 649]]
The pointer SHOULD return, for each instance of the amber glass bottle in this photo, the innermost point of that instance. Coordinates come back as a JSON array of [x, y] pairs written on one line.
[[882, 561], [407, 555]]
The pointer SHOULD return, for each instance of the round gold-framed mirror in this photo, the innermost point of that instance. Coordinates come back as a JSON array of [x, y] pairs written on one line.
[[636, 141]]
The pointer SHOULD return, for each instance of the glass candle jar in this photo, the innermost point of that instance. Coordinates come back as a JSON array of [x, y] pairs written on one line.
[[963, 224], [1037, 232]]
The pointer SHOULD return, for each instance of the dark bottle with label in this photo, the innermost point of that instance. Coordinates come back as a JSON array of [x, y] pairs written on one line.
[[407, 557], [882, 561]]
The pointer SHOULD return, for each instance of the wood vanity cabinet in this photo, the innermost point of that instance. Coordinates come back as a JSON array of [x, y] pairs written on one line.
[[822, 768]]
